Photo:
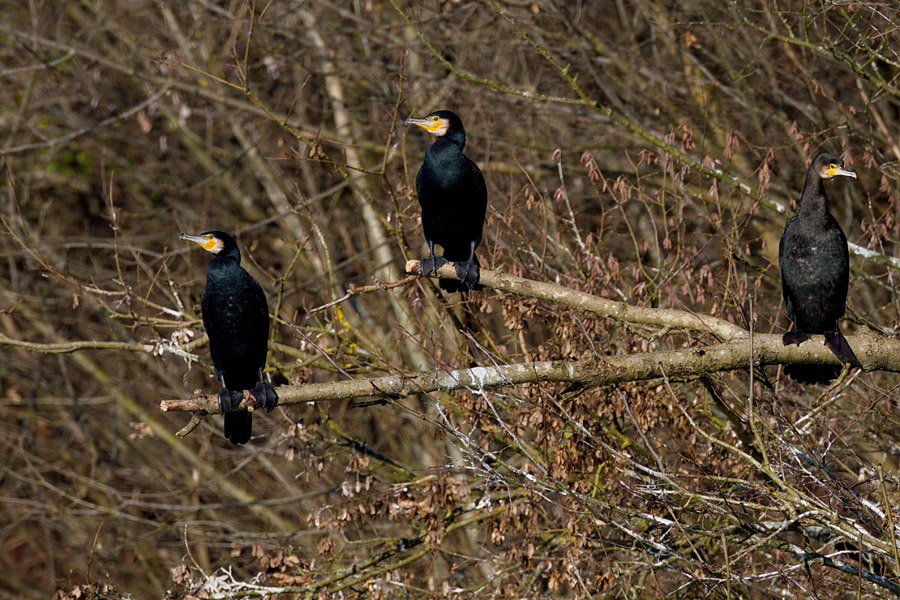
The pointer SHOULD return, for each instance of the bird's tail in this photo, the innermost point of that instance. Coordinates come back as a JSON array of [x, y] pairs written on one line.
[[451, 285], [809, 374], [837, 343], [238, 425]]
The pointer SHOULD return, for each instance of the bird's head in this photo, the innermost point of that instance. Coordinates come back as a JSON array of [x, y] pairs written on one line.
[[217, 242], [441, 123], [829, 166]]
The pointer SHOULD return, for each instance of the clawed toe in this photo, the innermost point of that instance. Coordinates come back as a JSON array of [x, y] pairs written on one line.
[[229, 400], [794, 337], [431, 264], [468, 272], [265, 396]]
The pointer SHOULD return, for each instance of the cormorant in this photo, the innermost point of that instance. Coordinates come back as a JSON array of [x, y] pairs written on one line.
[[815, 270], [236, 318], [453, 197]]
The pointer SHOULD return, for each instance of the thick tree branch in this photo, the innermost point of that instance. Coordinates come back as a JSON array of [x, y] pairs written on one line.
[[874, 353], [738, 351]]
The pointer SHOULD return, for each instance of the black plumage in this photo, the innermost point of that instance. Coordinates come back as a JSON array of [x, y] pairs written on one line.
[[815, 271], [453, 197], [236, 319]]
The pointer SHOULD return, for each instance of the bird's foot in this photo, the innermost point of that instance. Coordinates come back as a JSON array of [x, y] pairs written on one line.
[[229, 400], [468, 272], [794, 337], [431, 265], [265, 396], [837, 343]]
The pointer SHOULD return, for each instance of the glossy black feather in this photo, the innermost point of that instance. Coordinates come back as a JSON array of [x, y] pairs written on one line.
[[236, 318], [815, 270], [453, 196]]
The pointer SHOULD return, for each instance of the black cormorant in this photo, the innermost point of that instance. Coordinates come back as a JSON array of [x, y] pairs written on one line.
[[815, 270], [453, 197], [236, 318]]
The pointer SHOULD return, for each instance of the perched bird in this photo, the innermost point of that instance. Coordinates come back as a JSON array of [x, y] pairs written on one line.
[[453, 197], [236, 318], [815, 270]]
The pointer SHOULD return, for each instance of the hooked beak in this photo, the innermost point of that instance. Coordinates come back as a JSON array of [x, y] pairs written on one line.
[[193, 238], [426, 124], [200, 240], [841, 171]]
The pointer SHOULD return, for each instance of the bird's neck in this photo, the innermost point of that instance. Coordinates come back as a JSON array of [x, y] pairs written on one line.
[[813, 199], [444, 149], [229, 255], [223, 264], [454, 139], [458, 138]]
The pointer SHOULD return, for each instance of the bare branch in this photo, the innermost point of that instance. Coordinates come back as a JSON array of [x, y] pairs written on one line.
[[620, 311], [874, 353]]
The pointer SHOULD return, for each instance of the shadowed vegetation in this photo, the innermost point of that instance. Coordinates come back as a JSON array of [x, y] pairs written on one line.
[[633, 151]]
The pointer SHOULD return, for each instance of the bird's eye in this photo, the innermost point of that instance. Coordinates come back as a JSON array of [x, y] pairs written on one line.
[[209, 236], [434, 118]]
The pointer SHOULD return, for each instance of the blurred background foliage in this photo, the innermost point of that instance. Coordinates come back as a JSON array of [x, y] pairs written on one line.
[[633, 149]]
